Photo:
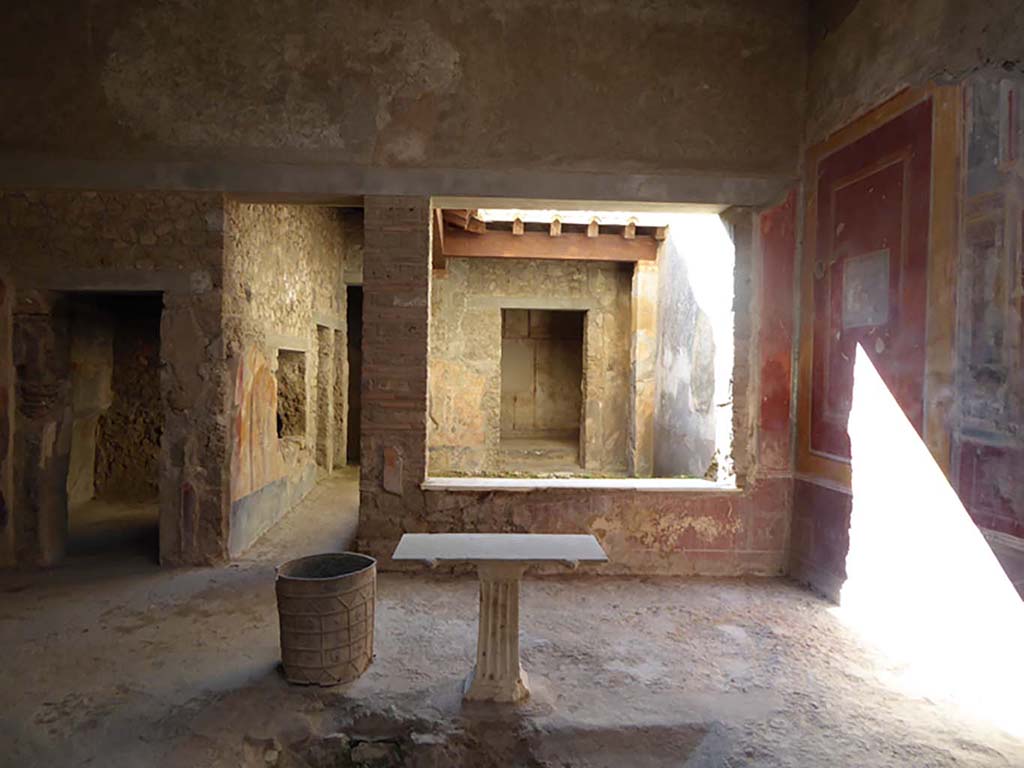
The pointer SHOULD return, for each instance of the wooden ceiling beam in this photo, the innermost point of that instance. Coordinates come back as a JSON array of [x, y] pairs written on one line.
[[437, 258], [577, 246]]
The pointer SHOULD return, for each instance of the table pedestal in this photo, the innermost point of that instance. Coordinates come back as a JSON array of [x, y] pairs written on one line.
[[498, 675]]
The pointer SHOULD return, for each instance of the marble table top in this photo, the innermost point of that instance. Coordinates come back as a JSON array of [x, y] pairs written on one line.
[[500, 547]]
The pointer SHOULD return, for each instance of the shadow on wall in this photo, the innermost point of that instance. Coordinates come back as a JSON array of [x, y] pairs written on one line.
[[922, 583], [693, 409]]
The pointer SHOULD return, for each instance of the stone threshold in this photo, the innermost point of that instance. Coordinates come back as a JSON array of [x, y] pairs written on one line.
[[526, 484]]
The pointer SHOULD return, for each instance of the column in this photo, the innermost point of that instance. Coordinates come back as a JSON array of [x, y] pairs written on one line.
[[396, 308], [498, 675], [644, 368]]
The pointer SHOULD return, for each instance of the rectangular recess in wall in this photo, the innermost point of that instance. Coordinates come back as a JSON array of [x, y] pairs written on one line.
[[291, 393], [541, 387]]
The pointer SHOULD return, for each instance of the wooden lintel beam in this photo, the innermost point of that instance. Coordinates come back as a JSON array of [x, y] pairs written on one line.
[[475, 223], [437, 258], [456, 217], [577, 246]]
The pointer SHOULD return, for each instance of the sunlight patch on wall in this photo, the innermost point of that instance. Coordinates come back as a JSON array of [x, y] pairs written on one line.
[[922, 583]]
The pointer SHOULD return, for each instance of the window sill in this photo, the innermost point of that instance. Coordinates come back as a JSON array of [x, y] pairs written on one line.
[[526, 484]]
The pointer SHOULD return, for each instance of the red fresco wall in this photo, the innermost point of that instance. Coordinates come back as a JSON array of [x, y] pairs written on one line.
[[875, 194], [870, 249], [989, 430], [873, 220], [777, 230]]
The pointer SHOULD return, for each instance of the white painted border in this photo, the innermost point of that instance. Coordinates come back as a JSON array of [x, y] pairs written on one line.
[[526, 484]]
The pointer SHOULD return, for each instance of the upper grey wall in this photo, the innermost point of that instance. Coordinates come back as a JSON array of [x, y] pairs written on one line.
[[655, 86], [863, 52]]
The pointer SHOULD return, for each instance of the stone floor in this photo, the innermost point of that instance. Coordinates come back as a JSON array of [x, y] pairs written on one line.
[[101, 526], [119, 663]]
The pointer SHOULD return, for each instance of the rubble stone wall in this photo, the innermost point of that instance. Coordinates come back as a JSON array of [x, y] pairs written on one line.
[[61, 242], [6, 420], [284, 268], [465, 360]]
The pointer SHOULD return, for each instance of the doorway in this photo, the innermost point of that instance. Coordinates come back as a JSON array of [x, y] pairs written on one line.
[[355, 370], [117, 424], [541, 389]]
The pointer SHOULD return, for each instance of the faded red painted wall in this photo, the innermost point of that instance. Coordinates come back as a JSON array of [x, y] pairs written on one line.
[[777, 230], [867, 268], [870, 272], [986, 424], [989, 431]]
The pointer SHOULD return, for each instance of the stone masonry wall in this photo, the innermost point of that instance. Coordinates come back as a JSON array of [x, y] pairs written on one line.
[[396, 311], [283, 279], [465, 362], [721, 532], [541, 372], [59, 242], [92, 368], [6, 421], [129, 431]]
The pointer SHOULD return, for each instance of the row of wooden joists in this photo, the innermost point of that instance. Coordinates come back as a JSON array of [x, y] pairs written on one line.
[[463, 234]]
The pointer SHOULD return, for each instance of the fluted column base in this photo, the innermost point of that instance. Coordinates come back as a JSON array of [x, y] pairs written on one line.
[[498, 675]]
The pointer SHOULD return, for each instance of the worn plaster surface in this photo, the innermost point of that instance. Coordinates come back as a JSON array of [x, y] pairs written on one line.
[[84, 241], [128, 665], [400, 84], [863, 52], [989, 430], [466, 356], [284, 301], [129, 432], [684, 407]]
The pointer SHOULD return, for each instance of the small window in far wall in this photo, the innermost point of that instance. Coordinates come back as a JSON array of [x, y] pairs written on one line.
[[291, 393]]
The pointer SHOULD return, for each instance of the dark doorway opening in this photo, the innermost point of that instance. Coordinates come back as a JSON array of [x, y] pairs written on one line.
[[541, 389], [355, 369], [113, 478]]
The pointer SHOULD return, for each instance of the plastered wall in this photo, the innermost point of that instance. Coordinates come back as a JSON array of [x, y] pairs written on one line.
[[60, 242], [465, 361], [988, 445], [954, 309], [402, 84], [237, 283], [284, 290], [863, 52]]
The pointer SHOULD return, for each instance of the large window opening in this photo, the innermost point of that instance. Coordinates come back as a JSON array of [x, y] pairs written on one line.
[[588, 344], [117, 423], [541, 389]]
